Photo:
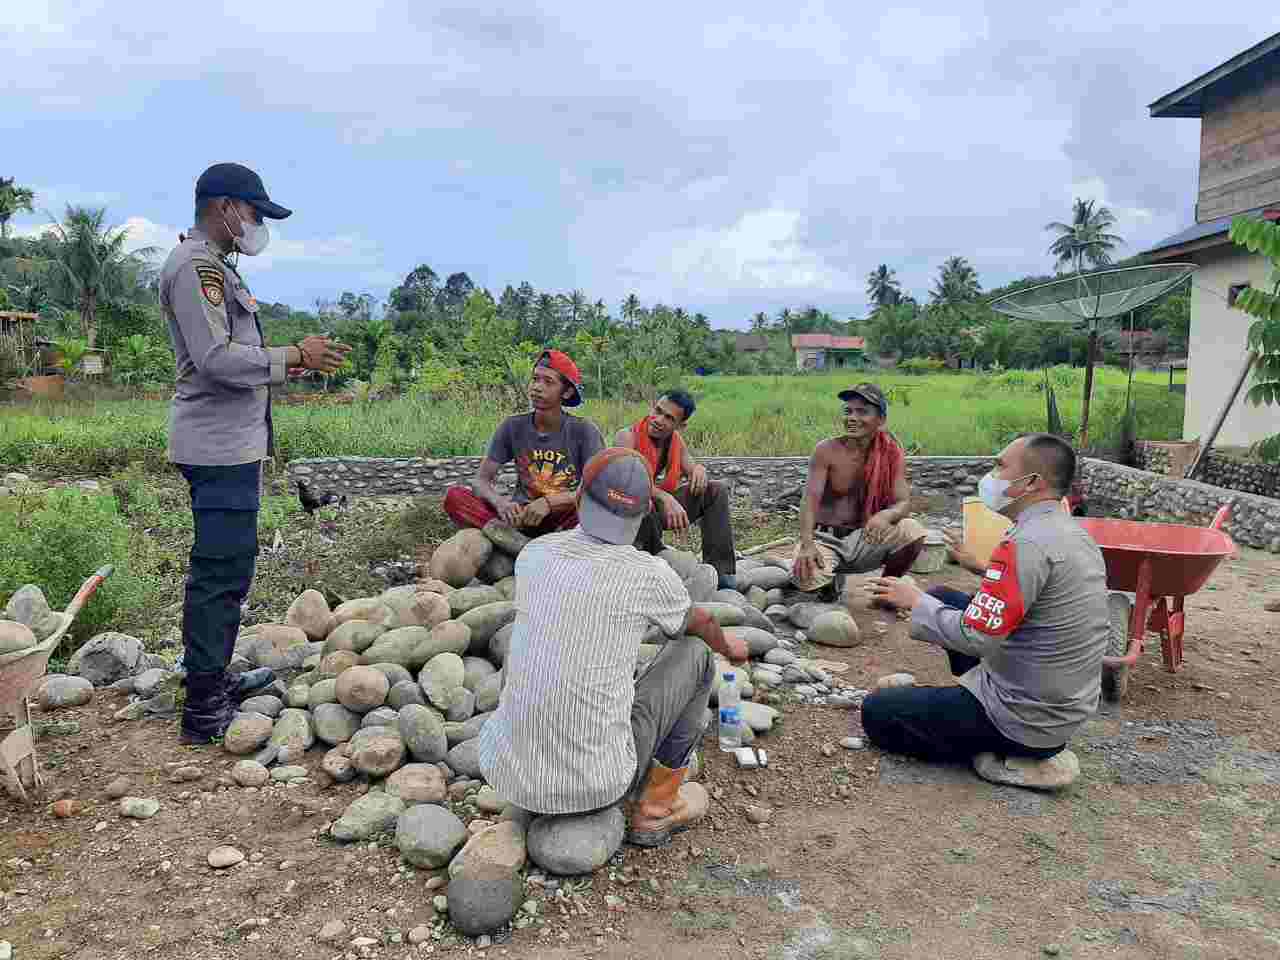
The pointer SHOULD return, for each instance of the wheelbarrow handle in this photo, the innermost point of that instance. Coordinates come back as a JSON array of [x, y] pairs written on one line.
[[87, 589]]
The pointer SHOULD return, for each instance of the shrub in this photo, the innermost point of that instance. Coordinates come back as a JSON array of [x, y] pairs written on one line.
[[918, 366], [57, 538]]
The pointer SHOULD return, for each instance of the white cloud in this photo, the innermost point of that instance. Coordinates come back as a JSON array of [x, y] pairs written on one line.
[[761, 251]]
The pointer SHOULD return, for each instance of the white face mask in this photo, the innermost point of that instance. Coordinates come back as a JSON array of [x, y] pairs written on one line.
[[255, 239], [994, 492]]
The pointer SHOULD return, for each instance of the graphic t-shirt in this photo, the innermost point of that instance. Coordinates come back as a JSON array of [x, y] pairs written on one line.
[[546, 463]]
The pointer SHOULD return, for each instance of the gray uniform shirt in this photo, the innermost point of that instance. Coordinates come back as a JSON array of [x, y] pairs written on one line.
[[1039, 623], [221, 411]]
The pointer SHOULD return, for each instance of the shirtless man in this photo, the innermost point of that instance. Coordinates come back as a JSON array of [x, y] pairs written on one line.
[[857, 495]]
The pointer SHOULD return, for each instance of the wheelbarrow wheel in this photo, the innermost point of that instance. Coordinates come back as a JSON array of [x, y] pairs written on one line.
[[1115, 680]]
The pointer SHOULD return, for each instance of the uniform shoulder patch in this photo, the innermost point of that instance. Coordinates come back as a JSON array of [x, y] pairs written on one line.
[[211, 283]]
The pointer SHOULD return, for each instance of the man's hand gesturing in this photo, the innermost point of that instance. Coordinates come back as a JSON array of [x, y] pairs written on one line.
[[323, 354]]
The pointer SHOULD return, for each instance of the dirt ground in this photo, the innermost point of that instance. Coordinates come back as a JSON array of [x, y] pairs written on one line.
[[1168, 847]]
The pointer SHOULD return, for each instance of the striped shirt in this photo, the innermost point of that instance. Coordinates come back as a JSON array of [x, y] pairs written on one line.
[[560, 741]]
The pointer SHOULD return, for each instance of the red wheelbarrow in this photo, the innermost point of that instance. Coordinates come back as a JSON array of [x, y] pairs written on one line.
[[1160, 564]]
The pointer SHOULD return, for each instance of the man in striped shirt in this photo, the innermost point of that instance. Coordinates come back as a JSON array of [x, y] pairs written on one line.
[[573, 732]]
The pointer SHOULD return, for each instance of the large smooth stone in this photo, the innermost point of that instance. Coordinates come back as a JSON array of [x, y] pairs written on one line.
[[758, 641], [500, 644], [108, 657], [371, 609], [405, 646], [766, 578], [404, 693], [465, 758], [357, 636], [468, 598], [416, 608], [442, 674], [377, 751], [428, 835], [478, 669], [335, 723], [310, 613], [483, 897], [423, 731], [485, 621], [835, 628], [488, 693], [804, 614], [452, 636], [375, 812], [362, 689], [293, 732], [62, 691], [576, 843], [418, 783], [248, 731]]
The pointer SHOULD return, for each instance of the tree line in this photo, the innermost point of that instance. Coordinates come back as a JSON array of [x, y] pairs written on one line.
[[437, 329]]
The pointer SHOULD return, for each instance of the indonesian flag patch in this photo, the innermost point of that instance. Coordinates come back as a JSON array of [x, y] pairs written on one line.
[[997, 608]]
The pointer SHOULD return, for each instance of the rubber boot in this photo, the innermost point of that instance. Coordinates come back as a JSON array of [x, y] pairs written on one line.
[[207, 712], [898, 563], [242, 685], [666, 806]]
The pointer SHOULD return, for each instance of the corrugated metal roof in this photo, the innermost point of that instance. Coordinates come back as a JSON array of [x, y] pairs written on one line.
[[1201, 231]]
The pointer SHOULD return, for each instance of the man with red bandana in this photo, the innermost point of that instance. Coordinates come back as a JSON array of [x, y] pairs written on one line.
[[550, 448], [682, 492]]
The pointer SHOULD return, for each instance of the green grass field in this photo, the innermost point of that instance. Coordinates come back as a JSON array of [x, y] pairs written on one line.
[[938, 414]]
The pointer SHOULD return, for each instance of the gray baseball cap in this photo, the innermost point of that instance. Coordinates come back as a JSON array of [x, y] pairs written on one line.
[[617, 494]]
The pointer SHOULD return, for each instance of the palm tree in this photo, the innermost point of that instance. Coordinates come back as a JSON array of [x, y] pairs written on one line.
[[1085, 238], [630, 308], [883, 288], [957, 282], [13, 199], [90, 265], [760, 322]]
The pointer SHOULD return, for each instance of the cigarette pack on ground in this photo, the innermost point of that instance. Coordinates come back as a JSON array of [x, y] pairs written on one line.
[[751, 757]]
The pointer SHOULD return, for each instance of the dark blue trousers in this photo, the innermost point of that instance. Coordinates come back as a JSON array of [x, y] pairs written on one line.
[[945, 724], [224, 505]]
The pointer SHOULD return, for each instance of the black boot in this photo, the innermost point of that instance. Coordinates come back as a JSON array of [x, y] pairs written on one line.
[[207, 712], [242, 685]]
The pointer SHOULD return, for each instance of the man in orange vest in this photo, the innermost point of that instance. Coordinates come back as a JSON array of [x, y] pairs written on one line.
[[682, 491]]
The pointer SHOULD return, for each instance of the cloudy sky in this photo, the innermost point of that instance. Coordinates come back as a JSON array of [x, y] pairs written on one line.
[[728, 157]]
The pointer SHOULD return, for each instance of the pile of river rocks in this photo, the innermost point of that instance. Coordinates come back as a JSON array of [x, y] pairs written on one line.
[[397, 687]]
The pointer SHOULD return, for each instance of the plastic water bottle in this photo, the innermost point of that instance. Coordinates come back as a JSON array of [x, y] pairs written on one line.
[[730, 714]]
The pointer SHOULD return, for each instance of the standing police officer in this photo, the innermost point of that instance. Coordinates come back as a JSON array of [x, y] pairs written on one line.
[[220, 426]]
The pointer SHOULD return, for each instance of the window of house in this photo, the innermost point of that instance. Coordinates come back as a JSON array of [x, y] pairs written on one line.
[[1234, 291]]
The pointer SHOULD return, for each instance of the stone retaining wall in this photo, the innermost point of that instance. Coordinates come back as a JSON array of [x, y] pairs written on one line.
[[1220, 470], [1111, 489]]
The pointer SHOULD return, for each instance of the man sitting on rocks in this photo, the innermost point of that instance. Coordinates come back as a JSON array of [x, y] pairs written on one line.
[[574, 732], [657, 438], [858, 496], [1027, 647], [549, 447]]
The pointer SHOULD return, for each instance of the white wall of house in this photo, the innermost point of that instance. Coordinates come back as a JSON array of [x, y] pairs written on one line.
[[810, 358], [1216, 350]]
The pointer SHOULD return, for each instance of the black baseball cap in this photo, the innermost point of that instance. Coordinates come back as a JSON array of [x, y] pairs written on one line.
[[868, 392], [234, 180]]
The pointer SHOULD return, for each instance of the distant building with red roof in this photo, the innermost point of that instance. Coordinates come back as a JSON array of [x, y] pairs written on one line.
[[827, 351]]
